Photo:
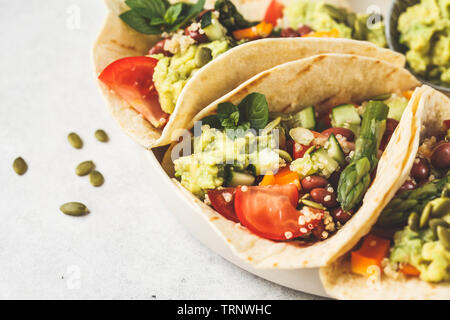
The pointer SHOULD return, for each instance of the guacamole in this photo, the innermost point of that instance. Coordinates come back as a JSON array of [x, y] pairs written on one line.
[[324, 17], [425, 29], [215, 153], [172, 73], [421, 250]]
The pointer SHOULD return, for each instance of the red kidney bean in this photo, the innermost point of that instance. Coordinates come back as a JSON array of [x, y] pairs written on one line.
[[420, 170], [408, 185], [312, 182], [324, 197], [391, 125], [334, 179], [340, 215], [440, 158], [304, 30], [318, 231], [289, 33], [196, 35], [159, 48], [347, 133]]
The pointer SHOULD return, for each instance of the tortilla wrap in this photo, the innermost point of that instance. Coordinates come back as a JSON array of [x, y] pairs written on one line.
[[324, 81], [338, 280], [217, 78]]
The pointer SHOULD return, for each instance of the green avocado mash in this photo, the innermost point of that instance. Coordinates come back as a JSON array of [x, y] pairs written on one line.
[[421, 250], [425, 29], [214, 150], [324, 17], [172, 73]]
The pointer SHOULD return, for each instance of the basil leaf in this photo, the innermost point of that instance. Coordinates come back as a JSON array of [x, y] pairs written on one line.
[[231, 121], [173, 12], [147, 8], [254, 109], [224, 110], [213, 122], [193, 11], [138, 22], [206, 19]]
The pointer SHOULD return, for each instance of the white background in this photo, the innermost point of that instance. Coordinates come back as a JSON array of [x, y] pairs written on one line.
[[130, 246]]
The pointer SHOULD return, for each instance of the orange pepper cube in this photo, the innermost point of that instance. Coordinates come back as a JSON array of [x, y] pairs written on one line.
[[371, 253]]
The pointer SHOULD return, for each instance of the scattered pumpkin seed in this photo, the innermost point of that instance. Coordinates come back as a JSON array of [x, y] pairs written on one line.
[[313, 204], [413, 221], [20, 166], [444, 236], [74, 209], [75, 140], [425, 215], [84, 168], [96, 178], [101, 135], [434, 223], [382, 97], [440, 207]]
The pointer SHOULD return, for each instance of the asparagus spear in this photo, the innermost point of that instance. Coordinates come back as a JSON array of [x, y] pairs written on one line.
[[399, 209], [355, 179]]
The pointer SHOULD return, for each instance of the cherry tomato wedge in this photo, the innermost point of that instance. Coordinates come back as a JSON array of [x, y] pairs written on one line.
[[132, 79], [270, 211], [274, 12], [223, 202]]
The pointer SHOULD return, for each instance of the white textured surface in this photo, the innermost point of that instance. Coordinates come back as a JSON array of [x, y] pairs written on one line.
[[130, 246]]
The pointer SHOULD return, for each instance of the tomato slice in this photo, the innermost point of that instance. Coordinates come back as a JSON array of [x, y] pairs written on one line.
[[223, 202], [269, 211], [274, 12], [132, 79]]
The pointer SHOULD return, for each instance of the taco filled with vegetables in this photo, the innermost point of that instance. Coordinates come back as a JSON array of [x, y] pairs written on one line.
[[160, 63], [282, 166], [406, 255]]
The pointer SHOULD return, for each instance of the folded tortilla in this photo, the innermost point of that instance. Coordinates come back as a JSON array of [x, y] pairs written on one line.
[[422, 119], [324, 81], [218, 77]]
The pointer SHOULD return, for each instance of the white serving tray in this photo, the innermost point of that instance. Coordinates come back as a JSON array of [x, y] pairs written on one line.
[[305, 280]]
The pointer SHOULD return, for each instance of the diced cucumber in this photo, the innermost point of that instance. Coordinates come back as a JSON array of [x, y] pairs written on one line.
[[345, 115], [335, 151], [236, 179], [306, 118], [324, 163], [215, 31], [397, 106]]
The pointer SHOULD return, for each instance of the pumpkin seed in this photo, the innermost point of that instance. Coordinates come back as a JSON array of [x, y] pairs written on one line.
[[441, 206], [20, 166], [284, 155], [84, 168], [413, 221], [75, 140], [101, 135], [313, 204], [74, 209], [444, 236], [271, 125], [96, 178], [382, 97], [434, 223], [425, 215]]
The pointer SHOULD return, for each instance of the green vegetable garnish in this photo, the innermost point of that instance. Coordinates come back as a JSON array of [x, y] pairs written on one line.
[[158, 16], [355, 179]]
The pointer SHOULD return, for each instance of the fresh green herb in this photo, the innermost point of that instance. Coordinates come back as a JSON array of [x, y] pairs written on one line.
[[255, 110], [158, 16], [252, 112], [230, 17]]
